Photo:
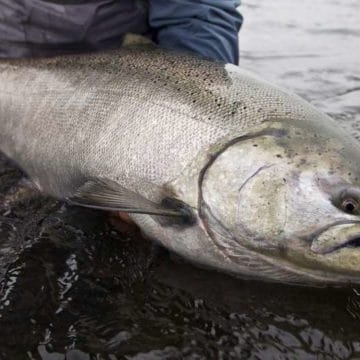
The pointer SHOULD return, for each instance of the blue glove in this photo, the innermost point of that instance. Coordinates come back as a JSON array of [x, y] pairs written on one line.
[[206, 27]]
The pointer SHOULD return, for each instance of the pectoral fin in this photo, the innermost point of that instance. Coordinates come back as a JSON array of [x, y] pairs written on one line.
[[106, 194]]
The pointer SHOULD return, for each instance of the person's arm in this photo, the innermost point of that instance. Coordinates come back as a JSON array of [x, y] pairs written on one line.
[[206, 27]]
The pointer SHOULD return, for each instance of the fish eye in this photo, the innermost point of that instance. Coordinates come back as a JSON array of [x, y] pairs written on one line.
[[350, 205], [347, 200]]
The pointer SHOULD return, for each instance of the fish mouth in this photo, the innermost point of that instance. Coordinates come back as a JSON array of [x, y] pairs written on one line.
[[282, 267], [337, 237]]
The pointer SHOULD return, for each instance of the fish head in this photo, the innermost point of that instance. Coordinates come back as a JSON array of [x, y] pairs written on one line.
[[288, 197]]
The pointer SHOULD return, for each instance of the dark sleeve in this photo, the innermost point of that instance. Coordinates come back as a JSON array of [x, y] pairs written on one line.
[[206, 27]]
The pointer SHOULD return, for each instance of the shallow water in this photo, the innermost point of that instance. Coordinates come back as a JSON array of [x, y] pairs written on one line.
[[310, 47], [71, 285]]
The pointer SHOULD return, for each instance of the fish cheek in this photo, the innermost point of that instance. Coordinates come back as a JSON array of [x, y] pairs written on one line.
[[262, 208], [252, 207], [245, 190]]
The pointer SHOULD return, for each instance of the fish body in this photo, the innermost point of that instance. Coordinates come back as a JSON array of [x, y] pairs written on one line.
[[251, 162]]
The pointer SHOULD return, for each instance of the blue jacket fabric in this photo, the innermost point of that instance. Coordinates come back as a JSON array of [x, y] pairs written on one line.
[[49, 27], [206, 27]]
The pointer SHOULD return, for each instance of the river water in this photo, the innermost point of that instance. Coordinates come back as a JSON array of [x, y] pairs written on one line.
[[72, 287]]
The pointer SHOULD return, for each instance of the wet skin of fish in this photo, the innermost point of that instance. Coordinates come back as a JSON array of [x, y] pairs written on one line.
[[215, 164]]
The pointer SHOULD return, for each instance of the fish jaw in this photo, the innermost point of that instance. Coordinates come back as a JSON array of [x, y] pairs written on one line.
[[336, 237]]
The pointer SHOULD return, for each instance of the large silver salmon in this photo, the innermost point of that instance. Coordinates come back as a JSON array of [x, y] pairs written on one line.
[[212, 162]]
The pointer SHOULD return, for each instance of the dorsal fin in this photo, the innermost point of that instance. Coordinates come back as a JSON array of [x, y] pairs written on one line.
[[131, 39]]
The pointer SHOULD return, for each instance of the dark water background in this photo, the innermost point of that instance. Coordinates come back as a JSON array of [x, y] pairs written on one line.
[[72, 287]]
